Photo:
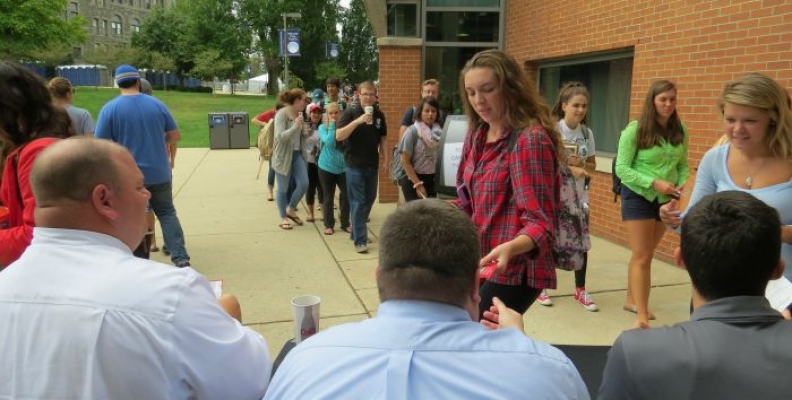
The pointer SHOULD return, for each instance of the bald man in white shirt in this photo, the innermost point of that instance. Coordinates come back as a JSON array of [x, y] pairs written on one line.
[[82, 318]]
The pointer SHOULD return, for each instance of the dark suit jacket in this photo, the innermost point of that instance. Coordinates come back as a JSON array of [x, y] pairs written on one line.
[[732, 348]]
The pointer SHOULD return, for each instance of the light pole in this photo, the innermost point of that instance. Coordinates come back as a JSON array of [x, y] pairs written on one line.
[[286, 50]]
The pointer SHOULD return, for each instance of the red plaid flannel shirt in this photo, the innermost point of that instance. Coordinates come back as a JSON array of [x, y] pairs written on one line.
[[514, 194]]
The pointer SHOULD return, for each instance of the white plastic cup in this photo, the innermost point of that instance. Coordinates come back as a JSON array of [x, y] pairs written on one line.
[[370, 111], [306, 316]]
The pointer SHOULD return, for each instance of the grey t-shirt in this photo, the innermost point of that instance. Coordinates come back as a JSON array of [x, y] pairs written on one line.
[[423, 157], [81, 120]]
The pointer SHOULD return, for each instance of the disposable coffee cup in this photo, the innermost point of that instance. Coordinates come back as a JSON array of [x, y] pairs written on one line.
[[306, 316], [370, 111]]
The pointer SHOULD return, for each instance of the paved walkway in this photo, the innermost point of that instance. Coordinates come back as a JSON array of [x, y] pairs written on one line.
[[232, 234]]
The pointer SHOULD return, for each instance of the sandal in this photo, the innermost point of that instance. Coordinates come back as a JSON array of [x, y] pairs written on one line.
[[329, 231], [296, 219], [348, 229], [285, 226], [310, 219]]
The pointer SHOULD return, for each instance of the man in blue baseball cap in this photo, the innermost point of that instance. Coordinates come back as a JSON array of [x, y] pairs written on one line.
[[144, 125]]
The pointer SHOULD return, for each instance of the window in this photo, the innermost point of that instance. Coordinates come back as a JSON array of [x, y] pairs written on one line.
[[103, 27], [463, 3], [470, 26], [444, 63], [135, 27], [608, 78], [95, 25], [115, 26], [74, 9], [402, 19]]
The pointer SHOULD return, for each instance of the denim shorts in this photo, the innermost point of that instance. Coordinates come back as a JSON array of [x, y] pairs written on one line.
[[634, 206]]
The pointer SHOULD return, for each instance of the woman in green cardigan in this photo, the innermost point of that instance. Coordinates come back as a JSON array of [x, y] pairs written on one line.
[[652, 165]]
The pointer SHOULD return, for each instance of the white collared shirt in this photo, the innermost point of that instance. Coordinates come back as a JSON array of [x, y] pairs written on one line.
[[81, 318]]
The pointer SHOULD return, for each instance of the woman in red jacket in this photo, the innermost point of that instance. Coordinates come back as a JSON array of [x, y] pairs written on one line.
[[29, 122]]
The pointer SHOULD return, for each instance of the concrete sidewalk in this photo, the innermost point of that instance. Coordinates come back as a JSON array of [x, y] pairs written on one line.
[[232, 234]]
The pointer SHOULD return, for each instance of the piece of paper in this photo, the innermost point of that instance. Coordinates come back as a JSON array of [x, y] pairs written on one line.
[[217, 287], [779, 293], [452, 154]]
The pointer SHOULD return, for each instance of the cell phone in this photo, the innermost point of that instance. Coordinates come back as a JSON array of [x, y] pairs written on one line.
[[674, 196]]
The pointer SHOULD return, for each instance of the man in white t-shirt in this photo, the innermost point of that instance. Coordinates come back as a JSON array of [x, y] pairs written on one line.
[[82, 318]]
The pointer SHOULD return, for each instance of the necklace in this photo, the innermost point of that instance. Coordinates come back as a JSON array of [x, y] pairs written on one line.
[[749, 179]]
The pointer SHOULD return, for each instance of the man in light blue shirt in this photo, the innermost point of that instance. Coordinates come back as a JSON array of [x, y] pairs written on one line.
[[424, 341]]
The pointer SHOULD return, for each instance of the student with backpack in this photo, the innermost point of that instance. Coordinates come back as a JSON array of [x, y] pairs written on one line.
[[512, 195], [418, 152], [571, 110], [652, 165]]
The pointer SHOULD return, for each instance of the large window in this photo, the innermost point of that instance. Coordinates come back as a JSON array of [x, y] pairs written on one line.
[[608, 78], [471, 26], [116, 26], [403, 18], [135, 27], [444, 64]]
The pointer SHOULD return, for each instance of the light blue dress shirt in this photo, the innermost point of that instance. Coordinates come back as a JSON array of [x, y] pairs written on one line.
[[424, 350]]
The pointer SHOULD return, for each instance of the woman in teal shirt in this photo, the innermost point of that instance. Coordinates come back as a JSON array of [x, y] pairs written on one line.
[[652, 165], [331, 172]]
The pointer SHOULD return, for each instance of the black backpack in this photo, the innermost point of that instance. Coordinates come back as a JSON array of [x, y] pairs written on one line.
[[616, 183]]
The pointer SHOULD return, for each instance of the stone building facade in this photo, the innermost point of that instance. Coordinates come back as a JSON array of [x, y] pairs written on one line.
[[110, 23]]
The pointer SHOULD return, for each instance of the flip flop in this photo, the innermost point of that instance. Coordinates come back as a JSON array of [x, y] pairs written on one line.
[[329, 231], [270, 199], [311, 219], [296, 219], [285, 226], [635, 311], [348, 229]]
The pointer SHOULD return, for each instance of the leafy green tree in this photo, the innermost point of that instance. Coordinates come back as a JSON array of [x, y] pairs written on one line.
[[27, 26], [209, 65], [164, 32], [112, 57], [359, 54], [215, 27], [162, 62]]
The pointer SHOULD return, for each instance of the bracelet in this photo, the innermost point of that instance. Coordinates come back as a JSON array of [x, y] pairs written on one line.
[[419, 183]]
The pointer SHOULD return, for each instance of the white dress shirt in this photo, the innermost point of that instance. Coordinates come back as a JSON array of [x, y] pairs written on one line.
[[81, 318], [424, 350]]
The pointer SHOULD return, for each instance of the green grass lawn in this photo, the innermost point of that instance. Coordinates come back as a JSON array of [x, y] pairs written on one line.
[[189, 109]]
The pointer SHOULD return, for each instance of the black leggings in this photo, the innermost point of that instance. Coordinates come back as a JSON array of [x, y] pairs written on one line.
[[329, 182], [580, 275], [517, 297], [314, 188]]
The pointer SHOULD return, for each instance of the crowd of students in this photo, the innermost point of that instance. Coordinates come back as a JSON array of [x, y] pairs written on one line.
[[433, 335]]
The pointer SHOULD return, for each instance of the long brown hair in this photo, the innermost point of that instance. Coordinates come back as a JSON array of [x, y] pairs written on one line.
[[650, 133], [523, 104]]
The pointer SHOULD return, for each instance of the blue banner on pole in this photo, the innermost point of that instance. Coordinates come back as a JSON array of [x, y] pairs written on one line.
[[289, 42], [331, 50]]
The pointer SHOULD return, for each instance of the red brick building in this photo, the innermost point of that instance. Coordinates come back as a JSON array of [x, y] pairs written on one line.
[[617, 48]]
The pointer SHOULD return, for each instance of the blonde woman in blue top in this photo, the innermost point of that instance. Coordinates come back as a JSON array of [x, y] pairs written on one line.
[[652, 165], [756, 157], [332, 172]]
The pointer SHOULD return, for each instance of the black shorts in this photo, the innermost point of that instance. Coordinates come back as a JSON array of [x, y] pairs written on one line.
[[634, 206]]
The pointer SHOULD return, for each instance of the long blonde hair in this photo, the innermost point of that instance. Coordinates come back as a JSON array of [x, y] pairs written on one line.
[[762, 92], [523, 104]]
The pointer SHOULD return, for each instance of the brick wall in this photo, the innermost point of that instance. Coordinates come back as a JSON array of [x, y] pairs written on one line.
[[400, 81], [697, 44]]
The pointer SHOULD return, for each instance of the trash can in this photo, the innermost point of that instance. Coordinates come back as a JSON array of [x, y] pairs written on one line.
[[239, 130], [219, 134]]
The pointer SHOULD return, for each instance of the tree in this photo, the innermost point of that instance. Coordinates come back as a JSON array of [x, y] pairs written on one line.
[[112, 58], [27, 26], [163, 32], [209, 65], [359, 54], [317, 26], [161, 62]]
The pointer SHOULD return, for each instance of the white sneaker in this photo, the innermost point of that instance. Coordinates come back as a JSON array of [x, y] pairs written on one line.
[[544, 298]]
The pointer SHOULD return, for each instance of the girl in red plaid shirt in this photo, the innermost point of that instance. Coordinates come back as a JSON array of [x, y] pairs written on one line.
[[512, 195]]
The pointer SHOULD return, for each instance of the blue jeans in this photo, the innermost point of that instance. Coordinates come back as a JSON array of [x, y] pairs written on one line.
[[298, 172], [361, 191], [161, 202]]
